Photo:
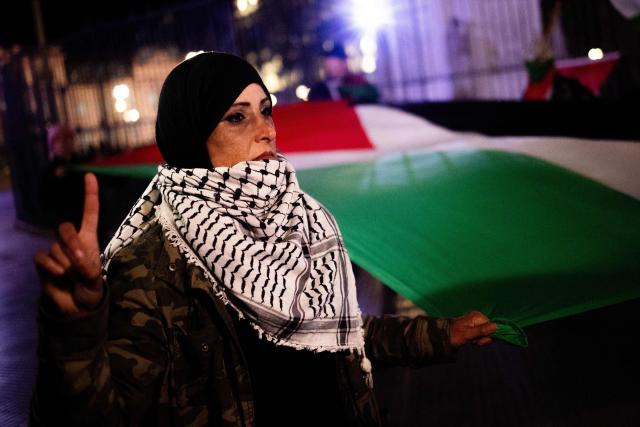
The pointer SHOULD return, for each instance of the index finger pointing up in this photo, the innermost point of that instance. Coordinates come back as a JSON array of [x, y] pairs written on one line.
[[91, 204]]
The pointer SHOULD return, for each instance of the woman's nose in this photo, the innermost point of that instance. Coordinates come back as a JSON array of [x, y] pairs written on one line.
[[266, 131]]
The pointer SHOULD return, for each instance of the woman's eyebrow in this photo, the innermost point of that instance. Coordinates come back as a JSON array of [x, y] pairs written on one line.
[[248, 104]]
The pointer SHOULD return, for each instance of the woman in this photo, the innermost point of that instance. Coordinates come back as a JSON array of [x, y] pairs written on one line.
[[228, 297]]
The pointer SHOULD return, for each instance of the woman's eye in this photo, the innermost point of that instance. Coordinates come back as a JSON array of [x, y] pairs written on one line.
[[235, 117], [268, 111]]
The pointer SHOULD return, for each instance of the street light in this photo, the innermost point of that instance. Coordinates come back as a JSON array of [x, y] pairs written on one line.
[[302, 92], [595, 54], [120, 91]]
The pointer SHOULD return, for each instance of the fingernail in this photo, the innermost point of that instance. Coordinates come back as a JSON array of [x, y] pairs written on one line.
[[79, 254]]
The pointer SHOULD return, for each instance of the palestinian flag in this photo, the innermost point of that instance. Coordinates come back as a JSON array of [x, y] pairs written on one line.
[[525, 229]]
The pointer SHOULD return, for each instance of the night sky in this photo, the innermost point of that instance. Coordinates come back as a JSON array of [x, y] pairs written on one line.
[[62, 18]]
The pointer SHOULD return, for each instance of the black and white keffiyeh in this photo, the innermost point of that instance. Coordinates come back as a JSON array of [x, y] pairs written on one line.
[[269, 250]]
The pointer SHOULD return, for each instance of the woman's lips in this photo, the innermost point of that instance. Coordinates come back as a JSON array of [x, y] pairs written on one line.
[[266, 156]]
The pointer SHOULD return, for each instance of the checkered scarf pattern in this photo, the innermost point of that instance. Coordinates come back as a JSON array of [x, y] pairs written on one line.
[[269, 250]]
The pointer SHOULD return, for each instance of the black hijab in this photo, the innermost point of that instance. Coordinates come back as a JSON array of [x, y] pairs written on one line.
[[194, 97]]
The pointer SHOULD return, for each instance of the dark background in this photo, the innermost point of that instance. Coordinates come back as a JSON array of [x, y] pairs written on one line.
[[62, 18]]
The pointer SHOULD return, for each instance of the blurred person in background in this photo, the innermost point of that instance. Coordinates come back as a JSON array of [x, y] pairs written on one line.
[[339, 83]]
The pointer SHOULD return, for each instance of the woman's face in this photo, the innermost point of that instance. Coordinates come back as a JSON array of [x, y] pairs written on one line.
[[246, 131]]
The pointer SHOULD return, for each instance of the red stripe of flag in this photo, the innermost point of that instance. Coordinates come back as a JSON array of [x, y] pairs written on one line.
[[302, 127], [319, 126]]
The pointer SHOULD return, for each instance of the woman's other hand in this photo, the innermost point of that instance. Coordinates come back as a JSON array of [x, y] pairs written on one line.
[[473, 327], [70, 272]]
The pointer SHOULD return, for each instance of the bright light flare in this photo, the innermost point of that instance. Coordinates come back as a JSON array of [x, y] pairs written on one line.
[[274, 100], [120, 91], [369, 64], [121, 105], [272, 81], [371, 15], [242, 5], [302, 92], [246, 7], [368, 45], [131, 116], [595, 54]]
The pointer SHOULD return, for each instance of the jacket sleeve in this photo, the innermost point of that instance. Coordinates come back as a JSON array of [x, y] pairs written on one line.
[[106, 368], [406, 341]]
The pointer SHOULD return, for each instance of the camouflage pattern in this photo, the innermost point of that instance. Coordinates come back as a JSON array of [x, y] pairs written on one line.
[[163, 350]]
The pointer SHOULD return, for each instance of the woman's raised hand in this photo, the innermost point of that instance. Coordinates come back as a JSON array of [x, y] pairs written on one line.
[[70, 272]]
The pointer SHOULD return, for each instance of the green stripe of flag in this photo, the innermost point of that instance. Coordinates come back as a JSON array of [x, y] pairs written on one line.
[[142, 171], [508, 234]]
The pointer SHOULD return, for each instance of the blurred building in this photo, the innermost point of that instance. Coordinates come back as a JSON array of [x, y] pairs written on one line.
[[105, 81]]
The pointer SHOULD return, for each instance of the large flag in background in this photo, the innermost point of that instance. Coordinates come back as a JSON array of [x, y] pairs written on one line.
[[525, 229]]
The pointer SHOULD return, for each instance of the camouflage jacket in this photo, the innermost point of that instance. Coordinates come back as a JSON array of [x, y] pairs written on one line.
[[163, 350]]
